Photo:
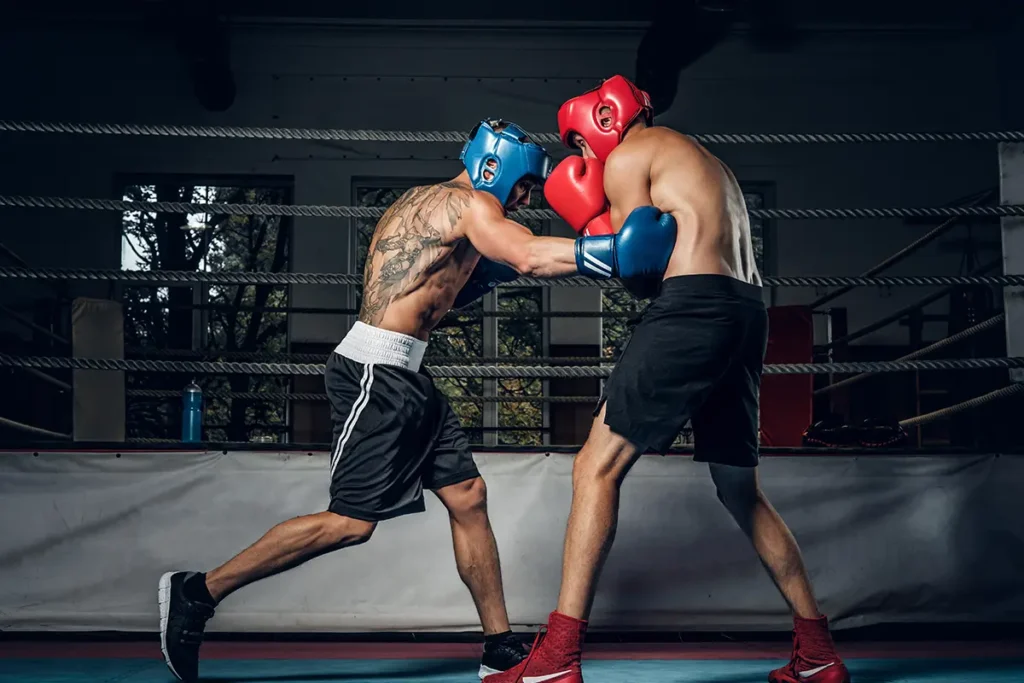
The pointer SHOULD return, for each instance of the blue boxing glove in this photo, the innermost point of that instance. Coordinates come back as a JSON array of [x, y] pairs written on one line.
[[641, 249], [486, 276]]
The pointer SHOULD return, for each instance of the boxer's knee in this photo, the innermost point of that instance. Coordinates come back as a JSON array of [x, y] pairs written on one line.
[[465, 500], [737, 488], [340, 531], [606, 457]]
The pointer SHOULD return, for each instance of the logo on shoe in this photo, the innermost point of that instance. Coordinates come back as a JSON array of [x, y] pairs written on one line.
[[817, 670], [548, 677]]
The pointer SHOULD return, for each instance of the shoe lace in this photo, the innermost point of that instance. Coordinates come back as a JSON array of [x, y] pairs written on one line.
[[533, 650], [798, 662], [513, 650], [794, 656], [193, 621]]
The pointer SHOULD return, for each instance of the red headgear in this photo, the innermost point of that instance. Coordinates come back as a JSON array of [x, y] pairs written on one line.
[[581, 115]]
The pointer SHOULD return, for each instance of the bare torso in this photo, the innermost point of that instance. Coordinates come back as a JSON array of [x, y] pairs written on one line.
[[418, 260], [704, 197]]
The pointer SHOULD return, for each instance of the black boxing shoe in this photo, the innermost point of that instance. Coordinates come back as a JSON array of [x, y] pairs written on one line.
[[501, 656], [182, 622]]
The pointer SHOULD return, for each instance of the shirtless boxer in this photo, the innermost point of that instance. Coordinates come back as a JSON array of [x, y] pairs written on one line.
[[437, 247], [696, 355]]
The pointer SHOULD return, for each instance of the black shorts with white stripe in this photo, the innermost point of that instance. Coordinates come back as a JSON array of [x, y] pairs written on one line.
[[394, 435]]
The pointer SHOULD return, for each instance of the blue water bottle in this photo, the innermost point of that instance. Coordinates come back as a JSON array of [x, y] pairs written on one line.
[[192, 413]]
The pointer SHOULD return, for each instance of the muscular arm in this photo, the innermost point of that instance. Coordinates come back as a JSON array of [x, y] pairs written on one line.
[[627, 182], [504, 241]]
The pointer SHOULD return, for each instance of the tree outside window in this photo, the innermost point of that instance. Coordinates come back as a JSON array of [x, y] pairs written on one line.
[[199, 321]]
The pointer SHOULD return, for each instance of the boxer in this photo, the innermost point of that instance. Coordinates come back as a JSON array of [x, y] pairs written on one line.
[[437, 247], [696, 355]]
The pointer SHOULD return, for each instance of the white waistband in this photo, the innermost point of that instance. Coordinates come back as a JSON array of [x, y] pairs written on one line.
[[371, 345]]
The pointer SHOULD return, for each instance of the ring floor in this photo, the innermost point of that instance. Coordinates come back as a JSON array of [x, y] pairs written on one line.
[[276, 662]]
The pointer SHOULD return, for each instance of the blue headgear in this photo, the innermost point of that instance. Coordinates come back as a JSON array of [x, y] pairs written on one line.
[[513, 155]]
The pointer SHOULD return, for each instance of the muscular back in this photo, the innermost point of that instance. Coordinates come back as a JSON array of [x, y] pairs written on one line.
[[699, 191], [418, 260]]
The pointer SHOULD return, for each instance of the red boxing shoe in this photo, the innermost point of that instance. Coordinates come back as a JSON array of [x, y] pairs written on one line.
[[554, 658], [814, 658], [801, 671]]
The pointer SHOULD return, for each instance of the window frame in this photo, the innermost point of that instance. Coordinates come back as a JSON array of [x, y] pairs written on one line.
[[200, 290]]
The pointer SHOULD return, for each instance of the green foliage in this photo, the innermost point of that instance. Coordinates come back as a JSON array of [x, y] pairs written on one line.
[[228, 318], [521, 337], [232, 318]]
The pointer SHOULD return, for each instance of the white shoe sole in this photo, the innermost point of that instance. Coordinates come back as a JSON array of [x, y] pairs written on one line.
[[164, 600], [487, 671]]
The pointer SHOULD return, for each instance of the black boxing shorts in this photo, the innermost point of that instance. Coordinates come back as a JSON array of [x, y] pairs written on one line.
[[696, 355], [394, 432]]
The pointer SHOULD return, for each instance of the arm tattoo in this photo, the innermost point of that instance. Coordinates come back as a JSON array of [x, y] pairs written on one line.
[[409, 238]]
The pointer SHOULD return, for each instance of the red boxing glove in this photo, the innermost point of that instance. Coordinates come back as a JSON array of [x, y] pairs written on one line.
[[575, 190], [602, 225]]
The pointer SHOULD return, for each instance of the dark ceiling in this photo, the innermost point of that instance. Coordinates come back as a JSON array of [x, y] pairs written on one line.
[[677, 33], [968, 13]]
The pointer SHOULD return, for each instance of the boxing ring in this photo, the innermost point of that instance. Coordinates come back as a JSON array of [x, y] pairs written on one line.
[[914, 536], [953, 517], [678, 564]]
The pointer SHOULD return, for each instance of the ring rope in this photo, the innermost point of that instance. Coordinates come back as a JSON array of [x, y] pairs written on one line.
[[18, 261], [319, 357], [1005, 392], [926, 418], [457, 314], [162, 394], [261, 278], [998, 394], [22, 427], [329, 211], [247, 278], [30, 324], [49, 379], [918, 305], [487, 372], [363, 135], [901, 254], [942, 343]]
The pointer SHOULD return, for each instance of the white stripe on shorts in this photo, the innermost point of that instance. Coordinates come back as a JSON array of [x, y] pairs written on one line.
[[357, 408]]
